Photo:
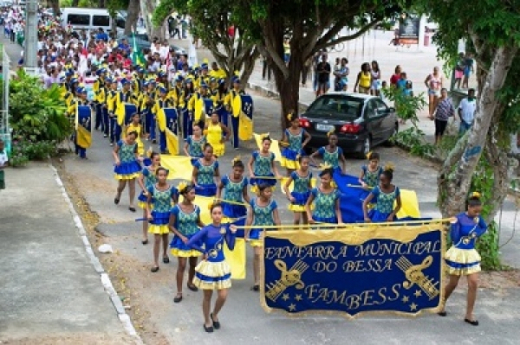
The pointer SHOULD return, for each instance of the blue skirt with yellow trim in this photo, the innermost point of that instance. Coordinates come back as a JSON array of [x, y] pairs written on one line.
[[290, 158], [301, 199], [378, 217], [210, 275], [127, 170], [159, 223], [206, 189], [142, 200], [328, 220], [462, 262], [181, 250], [255, 182]]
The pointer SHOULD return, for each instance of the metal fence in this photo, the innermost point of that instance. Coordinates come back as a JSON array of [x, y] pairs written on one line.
[[5, 129]]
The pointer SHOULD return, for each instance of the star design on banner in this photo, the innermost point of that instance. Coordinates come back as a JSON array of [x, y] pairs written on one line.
[[418, 293], [298, 298], [292, 307], [285, 296], [405, 299], [413, 307]]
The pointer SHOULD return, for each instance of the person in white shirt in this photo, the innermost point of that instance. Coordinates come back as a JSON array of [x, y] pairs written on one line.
[[467, 108]]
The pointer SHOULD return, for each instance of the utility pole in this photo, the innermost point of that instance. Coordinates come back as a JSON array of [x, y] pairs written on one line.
[[31, 37]]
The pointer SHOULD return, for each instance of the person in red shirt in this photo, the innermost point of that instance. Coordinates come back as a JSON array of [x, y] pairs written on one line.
[[395, 78]]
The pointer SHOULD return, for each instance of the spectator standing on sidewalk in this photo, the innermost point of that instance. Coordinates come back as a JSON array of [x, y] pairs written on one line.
[[443, 111], [323, 74], [466, 111]]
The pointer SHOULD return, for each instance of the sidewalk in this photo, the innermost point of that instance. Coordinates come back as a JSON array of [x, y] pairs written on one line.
[[51, 290]]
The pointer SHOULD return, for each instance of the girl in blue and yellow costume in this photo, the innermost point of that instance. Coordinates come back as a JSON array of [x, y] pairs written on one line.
[[232, 192], [332, 154], [127, 167], [261, 165], [206, 175], [161, 197], [146, 180], [185, 223], [301, 190], [213, 272], [325, 201], [462, 258], [135, 126], [387, 194], [263, 212], [217, 134], [295, 138], [371, 173], [195, 143]]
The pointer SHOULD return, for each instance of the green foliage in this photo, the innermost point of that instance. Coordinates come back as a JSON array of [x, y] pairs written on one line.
[[24, 151], [17, 157], [114, 5], [37, 115]]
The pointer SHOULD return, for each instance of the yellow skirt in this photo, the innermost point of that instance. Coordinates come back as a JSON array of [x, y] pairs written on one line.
[[219, 149], [185, 253], [462, 262], [255, 243], [289, 164], [142, 205], [158, 229], [126, 177], [212, 275]]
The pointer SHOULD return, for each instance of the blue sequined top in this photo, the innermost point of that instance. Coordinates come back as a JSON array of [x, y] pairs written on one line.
[[324, 204], [126, 152], [371, 178], [233, 191], [331, 158], [162, 200], [149, 178], [195, 146], [262, 165], [465, 232], [295, 141], [206, 173], [263, 215], [186, 223], [385, 201], [301, 184]]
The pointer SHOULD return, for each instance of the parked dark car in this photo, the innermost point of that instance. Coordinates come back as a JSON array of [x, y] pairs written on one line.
[[360, 121], [142, 42]]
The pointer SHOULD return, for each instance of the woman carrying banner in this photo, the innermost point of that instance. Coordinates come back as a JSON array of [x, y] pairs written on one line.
[[301, 190], [324, 200], [263, 212], [213, 272], [387, 194], [206, 175], [185, 223], [332, 154], [195, 143], [233, 191], [371, 172], [146, 180], [127, 167], [217, 135], [161, 197], [261, 166], [462, 258], [295, 138]]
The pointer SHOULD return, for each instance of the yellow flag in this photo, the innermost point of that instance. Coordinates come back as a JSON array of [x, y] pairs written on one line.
[[172, 142], [161, 120], [199, 108], [409, 204], [236, 259], [120, 113], [245, 130], [237, 105], [275, 148], [179, 166], [83, 137]]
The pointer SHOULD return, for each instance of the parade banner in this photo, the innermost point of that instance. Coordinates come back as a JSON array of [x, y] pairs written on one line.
[[391, 268], [83, 126]]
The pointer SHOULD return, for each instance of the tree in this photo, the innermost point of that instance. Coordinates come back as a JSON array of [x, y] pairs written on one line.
[[210, 22], [148, 8], [478, 161], [132, 16], [55, 5]]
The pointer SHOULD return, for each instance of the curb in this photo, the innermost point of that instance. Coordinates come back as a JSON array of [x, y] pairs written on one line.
[[105, 279]]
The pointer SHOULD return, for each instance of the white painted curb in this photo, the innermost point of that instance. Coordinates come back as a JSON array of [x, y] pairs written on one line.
[[105, 279]]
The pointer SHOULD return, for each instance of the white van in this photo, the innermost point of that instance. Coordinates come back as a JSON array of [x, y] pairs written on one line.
[[90, 19]]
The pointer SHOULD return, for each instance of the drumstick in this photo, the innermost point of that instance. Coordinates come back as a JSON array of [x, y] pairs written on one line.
[[359, 186]]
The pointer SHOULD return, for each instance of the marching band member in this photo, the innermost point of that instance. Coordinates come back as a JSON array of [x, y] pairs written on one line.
[[371, 173], [184, 223], [71, 93], [135, 126], [161, 197], [195, 143], [332, 154], [232, 191], [99, 89], [187, 118], [213, 273], [124, 96], [217, 135], [261, 166], [462, 258], [216, 72], [386, 194], [296, 139], [148, 100], [219, 97], [162, 102], [263, 212], [236, 91], [83, 125], [325, 201], [146, 180], [301, 190], [111, 107], [203, 78], [206, 174], [197, 101], [127, 167]]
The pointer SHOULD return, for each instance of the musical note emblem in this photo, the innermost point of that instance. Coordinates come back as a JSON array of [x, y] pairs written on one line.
[[414, 275], [288, 278]]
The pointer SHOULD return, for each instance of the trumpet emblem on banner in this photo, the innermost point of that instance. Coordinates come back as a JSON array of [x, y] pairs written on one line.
[[414, 275], [288, 278]]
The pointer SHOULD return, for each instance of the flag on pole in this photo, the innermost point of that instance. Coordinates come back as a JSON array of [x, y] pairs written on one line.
[[137, 55]]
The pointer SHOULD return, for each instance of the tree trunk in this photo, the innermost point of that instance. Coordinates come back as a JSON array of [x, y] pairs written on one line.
[[55, 5], [147, 8], [455, 176], [74, 3], [101, 4], [132, 16], [289, 88]]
